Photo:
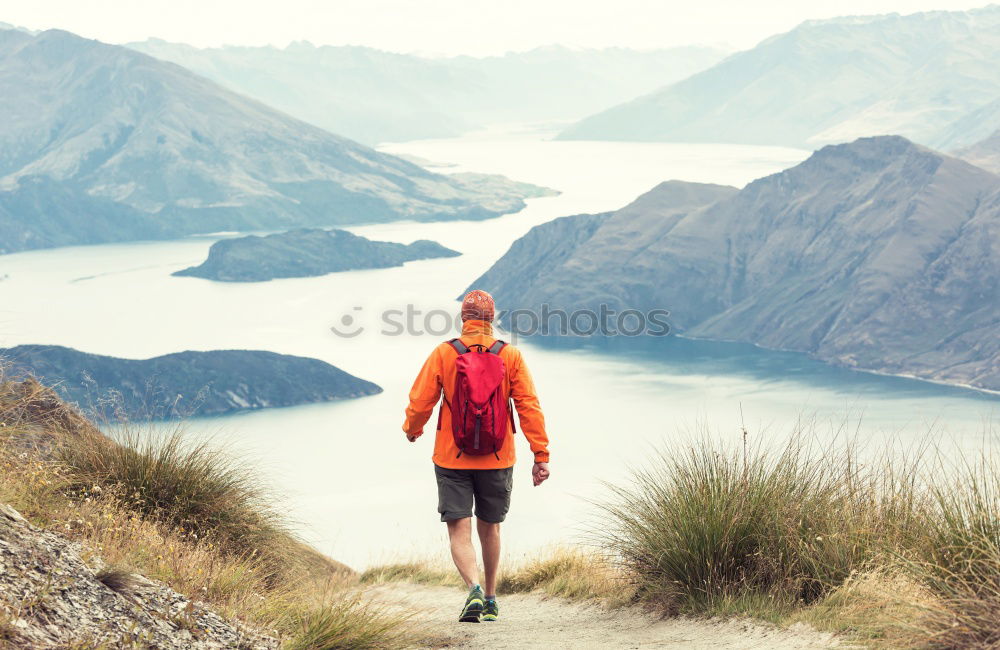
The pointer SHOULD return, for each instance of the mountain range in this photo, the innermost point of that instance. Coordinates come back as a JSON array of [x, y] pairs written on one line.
[[879, 254], [376, 96], [101, 143], [933, 77]]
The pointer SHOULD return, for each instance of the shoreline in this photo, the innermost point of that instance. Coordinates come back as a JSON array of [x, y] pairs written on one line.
[[881, 373]]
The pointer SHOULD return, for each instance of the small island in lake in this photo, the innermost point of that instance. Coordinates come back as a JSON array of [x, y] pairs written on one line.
[[183, 384], [306, 252]]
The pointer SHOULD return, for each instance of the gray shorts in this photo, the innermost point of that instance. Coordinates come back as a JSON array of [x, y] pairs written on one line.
[[488, 488]]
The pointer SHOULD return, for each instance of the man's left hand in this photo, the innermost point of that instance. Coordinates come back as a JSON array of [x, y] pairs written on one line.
[[539, 473]]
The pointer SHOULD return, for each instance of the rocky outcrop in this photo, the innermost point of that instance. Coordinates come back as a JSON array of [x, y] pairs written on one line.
[[51, 598], [185, 383], [304, 253], [879, 254]]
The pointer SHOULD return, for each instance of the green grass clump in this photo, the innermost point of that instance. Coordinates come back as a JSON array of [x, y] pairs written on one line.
[[710, 529], [900, 552]]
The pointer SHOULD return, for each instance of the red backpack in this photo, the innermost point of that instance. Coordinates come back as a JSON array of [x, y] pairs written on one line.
[[479, 408]]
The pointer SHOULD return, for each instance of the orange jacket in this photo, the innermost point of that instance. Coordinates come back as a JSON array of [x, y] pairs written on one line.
[[438, 374]]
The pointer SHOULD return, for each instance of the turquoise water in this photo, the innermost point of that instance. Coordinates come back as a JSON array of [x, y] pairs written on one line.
[[363, 494]]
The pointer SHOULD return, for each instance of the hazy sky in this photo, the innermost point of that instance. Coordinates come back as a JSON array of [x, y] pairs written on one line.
[[444, 26]]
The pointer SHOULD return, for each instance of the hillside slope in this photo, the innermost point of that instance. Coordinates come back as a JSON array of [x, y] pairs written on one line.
[[85, 612], [155, 539], [829, 81], [102, 143], [879, 254]]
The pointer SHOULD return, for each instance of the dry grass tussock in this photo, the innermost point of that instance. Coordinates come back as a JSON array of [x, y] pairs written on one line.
[[896, 549], [565, 572], [417, 571], [184, 514], [881, 608], [571, 573], [960, 558]]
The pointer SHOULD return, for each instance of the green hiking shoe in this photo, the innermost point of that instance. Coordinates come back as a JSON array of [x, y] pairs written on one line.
[[473, 606], [491, 610]]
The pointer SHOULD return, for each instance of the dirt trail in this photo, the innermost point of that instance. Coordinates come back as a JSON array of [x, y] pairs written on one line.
[[534, 621]]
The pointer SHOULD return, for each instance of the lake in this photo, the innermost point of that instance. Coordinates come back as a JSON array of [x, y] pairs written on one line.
[[359, 491]]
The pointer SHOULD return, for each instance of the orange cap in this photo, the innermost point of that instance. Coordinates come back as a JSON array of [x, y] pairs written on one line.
[[478, 305]]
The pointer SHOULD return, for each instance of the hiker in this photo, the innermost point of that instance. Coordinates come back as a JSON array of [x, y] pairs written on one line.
[[474, 446]]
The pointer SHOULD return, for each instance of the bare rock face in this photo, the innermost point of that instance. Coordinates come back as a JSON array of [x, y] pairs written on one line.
[[879, 255], [50, 598]]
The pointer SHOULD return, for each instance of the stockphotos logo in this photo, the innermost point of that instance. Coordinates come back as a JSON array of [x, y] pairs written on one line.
[[545, 321]]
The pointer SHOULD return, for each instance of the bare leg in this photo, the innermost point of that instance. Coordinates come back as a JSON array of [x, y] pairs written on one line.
[[462, 552], [489, 539]]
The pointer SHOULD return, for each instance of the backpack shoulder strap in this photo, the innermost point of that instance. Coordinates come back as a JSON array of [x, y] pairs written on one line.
[[460, 347], [497, 346]]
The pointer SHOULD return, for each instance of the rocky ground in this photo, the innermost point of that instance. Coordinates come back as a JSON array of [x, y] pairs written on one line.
[[51, 598]]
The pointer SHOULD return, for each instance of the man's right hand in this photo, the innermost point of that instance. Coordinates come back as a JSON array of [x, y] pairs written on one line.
[[539, 473]]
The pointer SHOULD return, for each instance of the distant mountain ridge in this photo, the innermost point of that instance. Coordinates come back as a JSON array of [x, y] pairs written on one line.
[[565, 262], [985, 153], [4, 25], [185, 384], [879, 255], [101, 143], [921, 76], [376, 96]]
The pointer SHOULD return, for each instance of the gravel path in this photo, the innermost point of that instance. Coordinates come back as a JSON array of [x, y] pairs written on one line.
[[534, 621]]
